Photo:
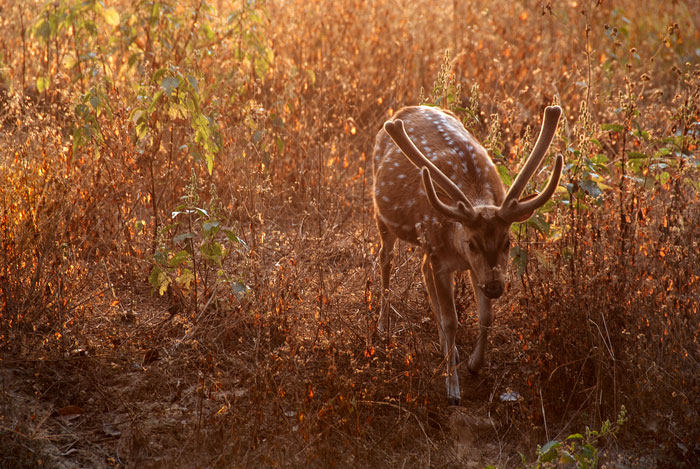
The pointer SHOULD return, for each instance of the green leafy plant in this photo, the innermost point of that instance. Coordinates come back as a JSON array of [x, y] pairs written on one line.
[[579, 450], [193, 250], [446, 92], [173, 95]]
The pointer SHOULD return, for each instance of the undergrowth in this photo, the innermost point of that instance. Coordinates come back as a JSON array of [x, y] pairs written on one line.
[[188, 256]]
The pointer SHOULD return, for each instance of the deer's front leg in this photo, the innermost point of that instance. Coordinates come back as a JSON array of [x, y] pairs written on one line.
[[447, 324], [476, 361]]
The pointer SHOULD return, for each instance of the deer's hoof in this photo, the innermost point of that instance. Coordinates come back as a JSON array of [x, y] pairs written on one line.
[[474, 365], [453, 401]]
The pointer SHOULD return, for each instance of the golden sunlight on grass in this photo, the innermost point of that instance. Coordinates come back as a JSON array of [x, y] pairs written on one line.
[[188, 254]]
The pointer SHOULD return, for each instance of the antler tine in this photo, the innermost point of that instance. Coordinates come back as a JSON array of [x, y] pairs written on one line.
[[397, 132], [516, 210], [549, 126], [459, 211]]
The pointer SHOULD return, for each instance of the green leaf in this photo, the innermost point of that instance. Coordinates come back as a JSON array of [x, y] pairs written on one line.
[[158, 74], [663, 152], [42, 84], [185, 279], [193, 83], [554, 444], [169, 84], [566, 458], [591, 188], [111, 16], [159, 280], [207, 226], [154, 101], [548, 453], [588, 452], [179, 258], [43, 31], [504, 174], [200, 211], [153, 277], [69, 61], [212, 252], [612, 127], [522, 458], [538, 222], [208, 32], [182, 237], [137, 115], [210, 163], [519, 257], [133, 58], [280, 145], [95, 102]]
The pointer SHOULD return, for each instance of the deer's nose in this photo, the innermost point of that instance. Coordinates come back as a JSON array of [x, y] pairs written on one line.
[[493, 289]]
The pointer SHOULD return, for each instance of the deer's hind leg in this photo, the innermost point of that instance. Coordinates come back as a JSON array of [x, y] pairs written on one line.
[[386, 256]]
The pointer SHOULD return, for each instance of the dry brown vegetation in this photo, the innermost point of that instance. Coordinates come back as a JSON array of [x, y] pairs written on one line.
[[188, 267]]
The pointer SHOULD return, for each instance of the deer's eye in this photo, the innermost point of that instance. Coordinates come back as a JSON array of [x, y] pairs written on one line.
[[473, 246]]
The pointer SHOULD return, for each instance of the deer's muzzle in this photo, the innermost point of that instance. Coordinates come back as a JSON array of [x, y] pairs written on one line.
[[493, 289]]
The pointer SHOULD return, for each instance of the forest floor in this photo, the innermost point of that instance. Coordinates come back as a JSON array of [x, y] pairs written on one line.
[[144, 388], [188, 256]]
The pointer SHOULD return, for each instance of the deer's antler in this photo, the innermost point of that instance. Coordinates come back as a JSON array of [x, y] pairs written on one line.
[[513, 209]]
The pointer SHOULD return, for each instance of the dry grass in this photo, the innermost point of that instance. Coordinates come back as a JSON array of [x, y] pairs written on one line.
[[262, 349]]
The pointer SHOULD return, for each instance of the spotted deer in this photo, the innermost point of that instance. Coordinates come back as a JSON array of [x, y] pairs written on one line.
[[436, 187]]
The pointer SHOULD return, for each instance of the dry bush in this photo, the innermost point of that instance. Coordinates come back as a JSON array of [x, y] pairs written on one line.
[[188, 250]]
